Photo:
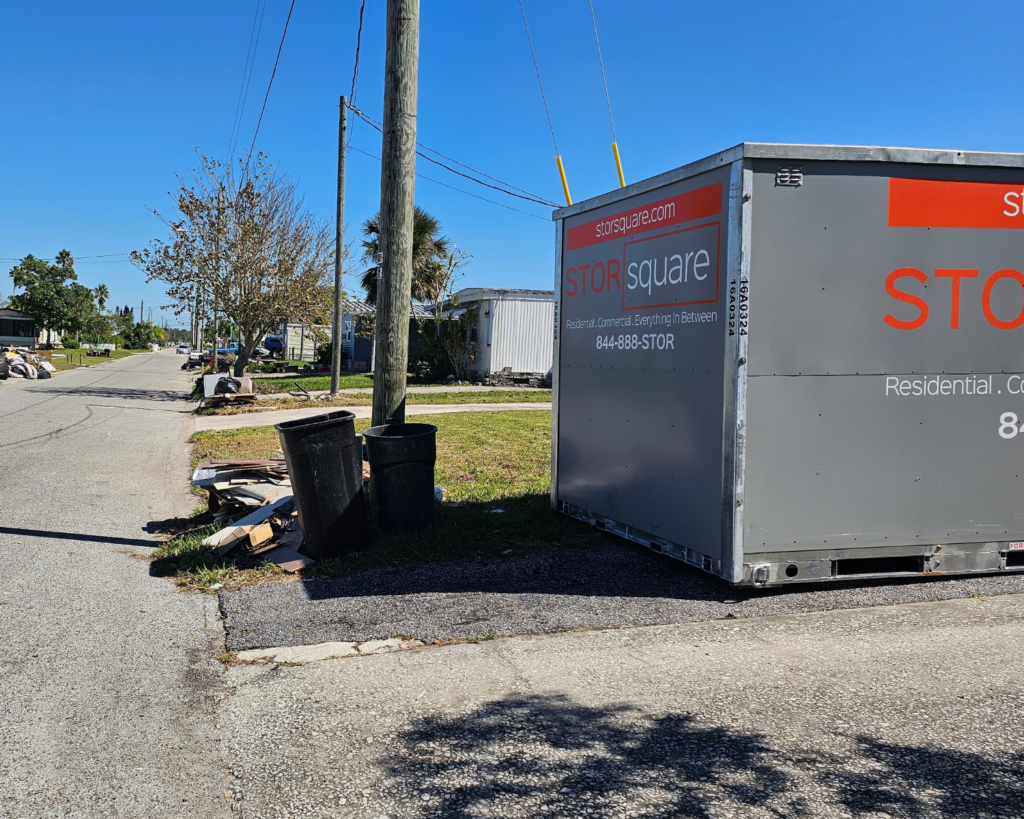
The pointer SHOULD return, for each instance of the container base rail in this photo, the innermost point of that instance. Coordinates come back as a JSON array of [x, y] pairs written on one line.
[[823, 565]]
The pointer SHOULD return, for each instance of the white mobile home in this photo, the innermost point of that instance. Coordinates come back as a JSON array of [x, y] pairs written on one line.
[[16, 329], [514, 334]]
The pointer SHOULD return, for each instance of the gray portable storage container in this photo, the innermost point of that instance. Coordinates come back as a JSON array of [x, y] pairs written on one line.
[[790, 363]]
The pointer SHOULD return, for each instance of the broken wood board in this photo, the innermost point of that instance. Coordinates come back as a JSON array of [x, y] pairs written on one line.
[[233, 533]]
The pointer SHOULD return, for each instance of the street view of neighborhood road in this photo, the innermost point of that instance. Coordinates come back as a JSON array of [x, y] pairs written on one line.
[[117, 702], [109, 677]]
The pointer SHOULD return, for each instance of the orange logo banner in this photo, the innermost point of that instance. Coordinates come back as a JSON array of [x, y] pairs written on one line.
[[938, 204]]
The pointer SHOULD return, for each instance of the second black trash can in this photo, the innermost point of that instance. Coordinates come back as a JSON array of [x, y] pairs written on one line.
[[402, 474], [325, 465]]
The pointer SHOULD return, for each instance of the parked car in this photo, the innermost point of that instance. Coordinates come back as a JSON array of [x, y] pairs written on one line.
[[275, 346], [261, 352], [183, 349]]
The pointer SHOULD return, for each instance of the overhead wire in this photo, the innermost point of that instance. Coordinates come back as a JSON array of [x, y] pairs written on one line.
[[544, 99], [507, 189], [250, 61], [355, 67], [607, 99], [273, 73], [76, 258], [452, 187]]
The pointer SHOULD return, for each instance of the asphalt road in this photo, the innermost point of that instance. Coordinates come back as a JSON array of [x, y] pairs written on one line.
[[910, 711], [108, 677]]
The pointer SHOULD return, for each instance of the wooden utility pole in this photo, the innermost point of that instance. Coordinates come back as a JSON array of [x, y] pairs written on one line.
[[339, 249], [397, 188]]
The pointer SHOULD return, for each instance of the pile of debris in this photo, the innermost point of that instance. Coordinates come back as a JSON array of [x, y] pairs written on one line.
[[257, 497], [223, 391], [21, 362]]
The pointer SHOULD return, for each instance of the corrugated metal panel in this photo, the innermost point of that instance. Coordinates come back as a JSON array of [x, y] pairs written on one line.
[[522, 335]]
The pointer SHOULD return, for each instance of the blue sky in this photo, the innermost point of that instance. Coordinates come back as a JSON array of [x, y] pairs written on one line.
[[103, 102]]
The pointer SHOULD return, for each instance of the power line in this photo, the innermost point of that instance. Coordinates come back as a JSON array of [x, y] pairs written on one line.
[[273, 73], [452, 187], [76, 258], [250, 61], [355, 66], [529, 197]]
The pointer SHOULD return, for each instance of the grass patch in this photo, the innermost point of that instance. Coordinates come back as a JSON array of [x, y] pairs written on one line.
[[265, 386], [76, 359], [366, 400], [486, 462]]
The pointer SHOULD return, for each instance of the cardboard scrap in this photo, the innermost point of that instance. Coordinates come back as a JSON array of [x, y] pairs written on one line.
[[288, 559], [259, 535]]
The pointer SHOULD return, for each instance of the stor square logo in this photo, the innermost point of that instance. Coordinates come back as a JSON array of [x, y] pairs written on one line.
[[680, 267]]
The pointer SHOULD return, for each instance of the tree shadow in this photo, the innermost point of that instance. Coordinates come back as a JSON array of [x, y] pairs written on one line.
[[912, 781], [553, 757], [550, 756]]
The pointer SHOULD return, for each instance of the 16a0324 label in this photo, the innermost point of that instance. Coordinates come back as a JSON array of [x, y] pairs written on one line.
[[739, 295]]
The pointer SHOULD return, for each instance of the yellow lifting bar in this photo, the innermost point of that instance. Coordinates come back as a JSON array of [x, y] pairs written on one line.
[[565, 184], [618, 165]]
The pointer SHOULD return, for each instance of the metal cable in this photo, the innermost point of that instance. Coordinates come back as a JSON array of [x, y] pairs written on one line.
[[604, 79], [541, 84]]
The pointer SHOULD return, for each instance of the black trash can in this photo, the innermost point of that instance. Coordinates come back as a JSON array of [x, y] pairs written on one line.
[[325, 465], [402, 474]]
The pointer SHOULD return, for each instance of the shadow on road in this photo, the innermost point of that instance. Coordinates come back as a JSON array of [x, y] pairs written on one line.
[[612, 568], [116, 393], [912, 781], [550, 756], [42, 533]]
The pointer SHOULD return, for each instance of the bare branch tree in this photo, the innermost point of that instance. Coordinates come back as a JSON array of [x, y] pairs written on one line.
[[244, 242]]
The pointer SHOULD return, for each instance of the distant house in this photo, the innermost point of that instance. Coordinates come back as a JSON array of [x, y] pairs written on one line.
[[357, 338], [17, 329], [357, 322], [514, 334]]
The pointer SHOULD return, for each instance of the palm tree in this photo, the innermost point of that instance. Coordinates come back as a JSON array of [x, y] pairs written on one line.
[[102, 294], [428, 245]]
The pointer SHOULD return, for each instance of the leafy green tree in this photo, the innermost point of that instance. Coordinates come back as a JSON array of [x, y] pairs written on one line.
[[102, 294], [45, 295], [82, 308], [429, 248]]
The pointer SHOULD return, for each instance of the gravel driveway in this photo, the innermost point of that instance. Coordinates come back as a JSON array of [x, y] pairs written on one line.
[[613, 585]]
